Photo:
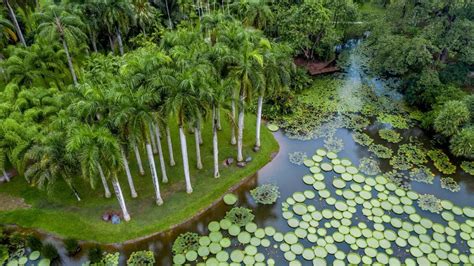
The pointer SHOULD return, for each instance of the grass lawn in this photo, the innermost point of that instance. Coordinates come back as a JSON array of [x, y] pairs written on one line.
[[58, 212]]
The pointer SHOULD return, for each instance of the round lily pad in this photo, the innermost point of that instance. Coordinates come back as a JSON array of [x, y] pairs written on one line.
[[222, 256], [34, 255], [326, 167], [339, 183], [230, 199], [191, 255], [214, 226], [178, 259], [272, 127], [237, 256]]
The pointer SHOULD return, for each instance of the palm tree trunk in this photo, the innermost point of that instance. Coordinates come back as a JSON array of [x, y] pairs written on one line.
[[120, 198], [73, 189], [160, 154], [111, 42], [184, 153], [129, 175], [215, 145], [153, 141], [94, 42], [259, 122], [104, 182], [154, 175], [15, 22], [170, 146], [198, 149], [69, 62], [170, 24], [139, 159], [233, 140], [218, 117], [199, 132], [5, 175], [119, 40], [240, 134]]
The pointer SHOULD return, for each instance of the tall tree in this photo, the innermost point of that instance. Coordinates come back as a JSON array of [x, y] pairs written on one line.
[[12, 15], [118, 16]]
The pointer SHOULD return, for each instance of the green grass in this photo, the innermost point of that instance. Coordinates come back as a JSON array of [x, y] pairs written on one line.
[[58, 212]]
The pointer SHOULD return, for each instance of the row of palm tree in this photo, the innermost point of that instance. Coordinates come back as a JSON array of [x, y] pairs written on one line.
[[122, 104]]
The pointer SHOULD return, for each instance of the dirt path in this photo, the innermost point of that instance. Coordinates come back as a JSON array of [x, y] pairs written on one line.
[[9, 203]]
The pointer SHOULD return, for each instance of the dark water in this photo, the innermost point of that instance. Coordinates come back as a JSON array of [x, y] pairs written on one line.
[[287, 177]]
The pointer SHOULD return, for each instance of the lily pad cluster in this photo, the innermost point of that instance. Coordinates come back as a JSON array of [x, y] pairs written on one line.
[[369, 166], [380, 151], [422, 174], [390, 135], [265, 194], [450, 184], [297, 157], [441, 162], [430, 203], [468, 167]]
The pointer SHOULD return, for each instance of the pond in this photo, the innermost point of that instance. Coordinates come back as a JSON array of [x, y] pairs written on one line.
[[329, 210]]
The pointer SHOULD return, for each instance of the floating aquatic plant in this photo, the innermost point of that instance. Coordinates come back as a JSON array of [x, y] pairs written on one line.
[[334, 144], [390, 135], [441, 162], [141, 258], [362, 138], [265, 194], [430, 203], [468, 167], [398, 179], [381, 151], [186, 242], [297, 157], [230, 199], [355, 121], [397, 121], [400, 162], [409, 155], [450, 184], [422, 174], [240, 216], [369, 166]]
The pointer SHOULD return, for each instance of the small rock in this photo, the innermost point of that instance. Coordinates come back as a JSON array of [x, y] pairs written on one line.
[[256, 148], [105, 217], [229, 161], [241, 164], [115, 219], [248, 159]]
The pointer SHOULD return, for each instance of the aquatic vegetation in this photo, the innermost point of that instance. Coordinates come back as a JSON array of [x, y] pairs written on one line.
[[240, 216], [430, 203], [441, 162], [369, 166], [422, 174], [186, 242], [362, 138], [409, 155], [400, 162], [398, 179], [355, 121], [390, 135], [333, 144], [397, 121], [468, 167], [272, 127], [450, 184], [110, 259], [141, 258], [297, 157], [265, 194], [380, 151], [230, 199], [3, 254]]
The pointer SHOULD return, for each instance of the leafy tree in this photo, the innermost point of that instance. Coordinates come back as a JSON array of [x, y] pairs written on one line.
[[117, 16]]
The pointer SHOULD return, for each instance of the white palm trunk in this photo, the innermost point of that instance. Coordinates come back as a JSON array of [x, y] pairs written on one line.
[[240, 135], [139, 159], [119, 40], [184, 153], [127, 172], [170, 146], [154, 176], [233, 140], [215, 147], [259, 121], [198, 149], [218, 116], [5, 175], [153, 141], [120, 198], [164, 176], [200, 136], [104, 182]]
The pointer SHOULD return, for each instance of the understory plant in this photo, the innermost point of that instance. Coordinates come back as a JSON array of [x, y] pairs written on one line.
[[49, 251], [34, 243], [265, 194], [141, 258], [186, 242], [240, 216], [3, 254], [441, 162], [72, 246], [95, 254]]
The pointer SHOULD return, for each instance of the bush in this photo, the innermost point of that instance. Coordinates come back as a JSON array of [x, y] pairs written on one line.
[[34, 243], [265, 194], [110, 259], [452, 116], [72, 246], [49, 251], [462, 143], [141, 258], [95, 254], [240, 216]]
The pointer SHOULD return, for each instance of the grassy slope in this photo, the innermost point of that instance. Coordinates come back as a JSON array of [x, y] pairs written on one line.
[[60, 213]]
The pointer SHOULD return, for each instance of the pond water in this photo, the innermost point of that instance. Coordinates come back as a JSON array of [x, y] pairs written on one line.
[[288, 177]]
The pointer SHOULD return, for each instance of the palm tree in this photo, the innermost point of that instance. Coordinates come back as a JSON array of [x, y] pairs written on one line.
[[255, 13], [6, 31], [11, 13], [98, 149], [117, 15], [3, 160], [56, 24], [145, 13]]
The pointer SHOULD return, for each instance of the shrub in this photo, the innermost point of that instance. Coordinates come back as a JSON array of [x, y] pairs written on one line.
[[49, 251], [142, 258], [95, 254], [462, 143], [441, 162], [110, 259], [240, 216], [390, 135], [451, 117], [186, 242], [265, 194], [72, 246], [34, 243]]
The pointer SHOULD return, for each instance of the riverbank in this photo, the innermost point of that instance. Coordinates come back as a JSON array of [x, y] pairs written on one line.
[[59, 213]]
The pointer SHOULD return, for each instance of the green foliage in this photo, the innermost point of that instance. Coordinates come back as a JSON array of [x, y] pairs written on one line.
[[422, 174], [297, 157], [362, 138], [334, 144], [240, 216], [453, 115], [369, 166], [390, 135], [461, 144], [72, 246], [381, 151], [110, 259], [141, 258], [430, 203], [450, 184], [397, 121], [265, 194], [34, 243], [95, 254], [468, 167], [441, 162], [186, 242], [3, 254], [49, 251], [411, 154]]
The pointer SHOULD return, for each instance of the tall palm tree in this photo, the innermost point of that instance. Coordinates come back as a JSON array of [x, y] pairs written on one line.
[[145, 14], [12, 15], [56, 24], [6, 32], [255, 13], [117, 15], [98, 149]]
